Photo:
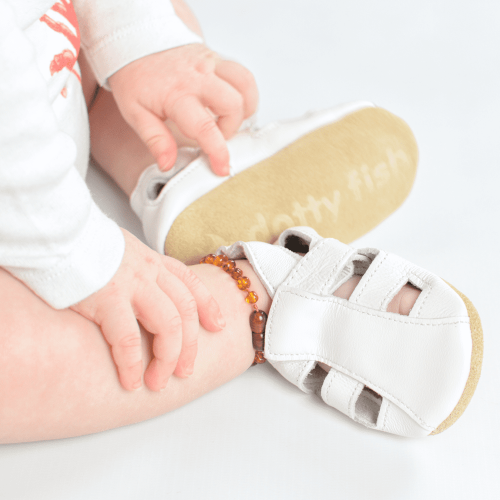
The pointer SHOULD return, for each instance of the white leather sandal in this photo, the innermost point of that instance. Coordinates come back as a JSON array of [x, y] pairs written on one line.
[[408, 375], [341, 171]]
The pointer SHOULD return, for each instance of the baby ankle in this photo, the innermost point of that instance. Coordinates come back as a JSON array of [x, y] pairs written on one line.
[[258, 317]]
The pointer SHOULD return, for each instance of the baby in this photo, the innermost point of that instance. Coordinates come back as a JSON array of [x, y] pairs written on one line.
[[53, 236], [72, 283]]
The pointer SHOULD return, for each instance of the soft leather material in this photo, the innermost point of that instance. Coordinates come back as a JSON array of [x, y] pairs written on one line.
[[341, 391], [272, 266], [381, 282], [418, 364], [297, 372], [147, 200], [394, 420]]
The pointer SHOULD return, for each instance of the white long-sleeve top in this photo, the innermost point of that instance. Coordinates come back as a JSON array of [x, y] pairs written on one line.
[[53, 237]]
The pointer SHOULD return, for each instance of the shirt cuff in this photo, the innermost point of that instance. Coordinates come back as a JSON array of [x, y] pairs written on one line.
[[129, 43], [95, 258]]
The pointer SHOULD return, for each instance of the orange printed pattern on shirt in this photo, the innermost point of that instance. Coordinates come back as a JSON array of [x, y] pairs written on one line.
[[66, 24]]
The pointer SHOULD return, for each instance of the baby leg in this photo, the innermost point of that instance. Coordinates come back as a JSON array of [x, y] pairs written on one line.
[[57, 377]]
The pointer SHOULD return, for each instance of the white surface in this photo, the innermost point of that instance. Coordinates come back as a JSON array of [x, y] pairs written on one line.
[[437, 65]]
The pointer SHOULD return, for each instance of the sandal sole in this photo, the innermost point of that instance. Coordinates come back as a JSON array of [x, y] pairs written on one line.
[[475, 365], [342, 179]]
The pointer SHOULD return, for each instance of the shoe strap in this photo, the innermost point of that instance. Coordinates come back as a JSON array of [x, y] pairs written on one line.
[[319, 270], [276, 265], [341, 392], [152, 180], [399, 357], [271, 263]]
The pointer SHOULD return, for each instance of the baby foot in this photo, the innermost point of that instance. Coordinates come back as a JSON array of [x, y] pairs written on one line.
[[402, 302], [341, 170], [401, 349]]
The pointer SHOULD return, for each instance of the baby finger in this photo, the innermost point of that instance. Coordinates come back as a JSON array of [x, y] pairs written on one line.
[[122, 332], [160, 317], [195, 122], [188, 310], [226, 102]]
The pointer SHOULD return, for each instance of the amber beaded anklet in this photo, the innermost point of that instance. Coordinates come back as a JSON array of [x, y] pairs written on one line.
[[258, 318]]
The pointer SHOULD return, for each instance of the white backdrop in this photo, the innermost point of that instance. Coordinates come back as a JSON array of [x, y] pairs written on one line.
[[434, 63]]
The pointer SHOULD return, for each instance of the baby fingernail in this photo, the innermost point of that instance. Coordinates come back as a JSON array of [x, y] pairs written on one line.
[[221, 321], [224, 170], [163, 161], [185, 373], [137, 385]]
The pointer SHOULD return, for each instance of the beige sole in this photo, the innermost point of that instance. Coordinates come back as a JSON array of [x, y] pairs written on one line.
[[342, 179], [475, 365]]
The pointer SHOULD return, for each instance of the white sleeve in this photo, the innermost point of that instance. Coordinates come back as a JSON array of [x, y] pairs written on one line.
[[117, 32], [52, 235]]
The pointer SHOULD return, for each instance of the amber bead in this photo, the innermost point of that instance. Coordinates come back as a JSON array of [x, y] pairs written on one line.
[[259, 358], [243, 283], [258, 318], [258, 321], [229, 266], [220, 260], [237, 272], [209, 259], [252, 298], [258, 341]]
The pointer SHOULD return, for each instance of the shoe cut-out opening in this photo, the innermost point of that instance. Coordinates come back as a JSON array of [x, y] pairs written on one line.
[[404, 300], [368, 406], [155, 190], [350, 276], [316, 378], [296, 244], [360, 264]]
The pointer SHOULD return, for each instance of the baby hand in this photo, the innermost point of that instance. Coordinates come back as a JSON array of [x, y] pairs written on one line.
[[180, 84], [167, 298]]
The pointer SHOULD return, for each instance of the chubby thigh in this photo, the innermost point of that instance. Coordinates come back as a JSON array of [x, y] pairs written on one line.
[[52, 364], [58, 379]]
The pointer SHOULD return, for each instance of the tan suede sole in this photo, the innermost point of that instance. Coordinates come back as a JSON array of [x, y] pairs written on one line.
[[476, 363], [342, 179]]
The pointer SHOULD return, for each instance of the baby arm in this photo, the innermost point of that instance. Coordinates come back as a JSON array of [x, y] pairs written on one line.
[[169, 301], [161, 69], [55, 239], [205, 96]]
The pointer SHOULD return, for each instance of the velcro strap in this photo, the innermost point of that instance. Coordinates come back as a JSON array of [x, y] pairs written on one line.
[[321, 266], [421, 365]]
